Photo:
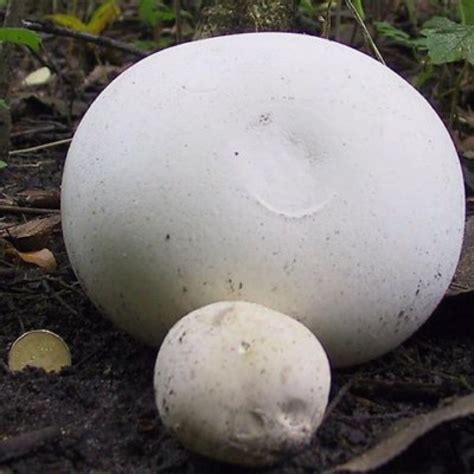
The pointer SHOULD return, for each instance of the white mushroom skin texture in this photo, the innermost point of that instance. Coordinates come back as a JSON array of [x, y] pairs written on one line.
[[241, 383], [282, 169]]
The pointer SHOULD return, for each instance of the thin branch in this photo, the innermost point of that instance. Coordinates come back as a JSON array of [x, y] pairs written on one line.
[[336, 400], [39, 129], [87, 37], [23, 151], [366, 32], [59, 299], [26, 210]]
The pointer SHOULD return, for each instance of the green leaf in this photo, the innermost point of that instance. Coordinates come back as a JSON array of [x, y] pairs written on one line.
[[359, 7], [20, 36], [425, 75], [68, 21], [152, 12], [3, 165], [448, 41], [466, 7], [412, 10], [308, 8], [3, 104], [104, 16], [394, 34]]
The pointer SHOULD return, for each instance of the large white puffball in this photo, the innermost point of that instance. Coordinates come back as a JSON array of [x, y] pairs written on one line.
[[241, 383], [276, 168]]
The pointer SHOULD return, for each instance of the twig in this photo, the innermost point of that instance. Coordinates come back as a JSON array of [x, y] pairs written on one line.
[[366, 32], [336, 400], [92, 354], [38, 164], [404, 390], [26, 210], [65, 285], [59, 299], [40, 147], [87, 37], [39, 129], [20, 445]]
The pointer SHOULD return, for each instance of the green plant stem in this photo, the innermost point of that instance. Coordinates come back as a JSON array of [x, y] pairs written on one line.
[[455, 96], [179, 24], [355, 29], [327, 24], [366, 32], [337, 26], [32, 149]]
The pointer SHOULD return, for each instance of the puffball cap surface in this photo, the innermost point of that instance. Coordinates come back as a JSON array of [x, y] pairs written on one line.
[[277, 168], [241, 383]]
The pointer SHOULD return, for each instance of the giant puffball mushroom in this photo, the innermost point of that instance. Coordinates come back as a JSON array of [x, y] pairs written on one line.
[[241, 383], [277, 168]]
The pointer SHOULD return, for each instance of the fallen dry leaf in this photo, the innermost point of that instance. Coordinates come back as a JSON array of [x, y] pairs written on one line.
[[43, 258], [463, 280], [33, 235], [404, 432]]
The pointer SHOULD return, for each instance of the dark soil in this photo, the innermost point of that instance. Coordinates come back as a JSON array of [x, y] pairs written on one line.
[[99, 416], [103, 406]]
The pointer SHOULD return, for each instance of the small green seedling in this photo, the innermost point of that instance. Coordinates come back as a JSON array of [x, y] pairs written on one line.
[[152, 12]]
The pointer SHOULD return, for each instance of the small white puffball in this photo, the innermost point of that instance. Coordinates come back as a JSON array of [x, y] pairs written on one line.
[[241, 383]]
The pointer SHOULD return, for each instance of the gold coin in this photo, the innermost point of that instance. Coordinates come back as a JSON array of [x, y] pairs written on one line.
[[39, 348]]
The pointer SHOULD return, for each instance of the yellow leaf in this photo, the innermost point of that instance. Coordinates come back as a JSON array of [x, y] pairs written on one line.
[[69, 21], [42, 258], [104, 16]]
